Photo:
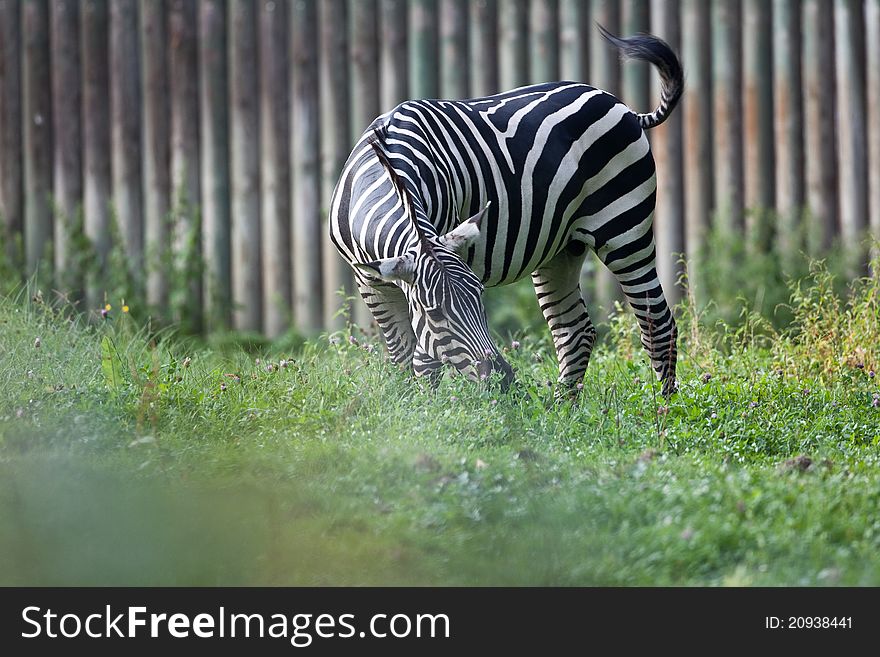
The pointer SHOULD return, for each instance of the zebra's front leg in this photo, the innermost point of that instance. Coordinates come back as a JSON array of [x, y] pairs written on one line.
[[557, 285], [389, 308]]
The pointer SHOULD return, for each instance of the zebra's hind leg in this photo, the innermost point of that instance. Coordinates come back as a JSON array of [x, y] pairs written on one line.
[[637, 274], [557, 285], [391, 312]]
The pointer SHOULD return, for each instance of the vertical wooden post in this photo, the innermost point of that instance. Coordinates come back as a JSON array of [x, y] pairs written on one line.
[[872, 19], [364, 60], [214, 160], [819, 102], [604, 58], [575, 33], [727, 115], [484, 47], [156, 141], [10, 132], [851, 123], [636, 76], [667, 147], [544, 42], [514, 43], [697, 116], [184, 75], [454, 55], [393, 51], [275, 170], [66, 120], [37, 121], [424, 67], [789, 126], [336, 135], [245, 167], [605, 74], [306, 146], [760, 168], [125, 134], [96, 138], [365, 91]]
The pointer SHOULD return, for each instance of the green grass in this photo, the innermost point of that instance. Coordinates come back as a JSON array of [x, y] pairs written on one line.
[[131, 460]]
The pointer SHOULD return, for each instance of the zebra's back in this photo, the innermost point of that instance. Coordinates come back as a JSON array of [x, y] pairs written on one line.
[[553, 159]]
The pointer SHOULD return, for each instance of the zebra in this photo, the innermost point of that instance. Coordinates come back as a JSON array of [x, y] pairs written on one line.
[[442, 198]]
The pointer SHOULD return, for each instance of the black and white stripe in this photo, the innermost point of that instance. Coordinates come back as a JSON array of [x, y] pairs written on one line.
[[561, 167]]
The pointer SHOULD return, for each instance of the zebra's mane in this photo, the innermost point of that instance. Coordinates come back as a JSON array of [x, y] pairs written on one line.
[[377, 141]]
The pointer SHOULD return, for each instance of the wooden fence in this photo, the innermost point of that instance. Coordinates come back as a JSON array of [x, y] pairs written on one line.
[[201, 139]]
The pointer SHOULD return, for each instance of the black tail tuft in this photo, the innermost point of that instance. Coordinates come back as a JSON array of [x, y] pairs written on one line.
[[649, 48]]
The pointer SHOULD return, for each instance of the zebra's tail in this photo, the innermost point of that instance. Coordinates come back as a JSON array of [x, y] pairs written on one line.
[[649, 48]]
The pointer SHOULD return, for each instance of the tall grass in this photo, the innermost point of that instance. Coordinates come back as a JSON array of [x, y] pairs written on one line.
[[131, 454]]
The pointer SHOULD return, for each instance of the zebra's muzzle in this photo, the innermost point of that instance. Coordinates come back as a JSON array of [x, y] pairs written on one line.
[[496, 364]]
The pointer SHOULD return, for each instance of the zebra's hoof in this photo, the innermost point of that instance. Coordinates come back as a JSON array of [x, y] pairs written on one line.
[[567, 392]]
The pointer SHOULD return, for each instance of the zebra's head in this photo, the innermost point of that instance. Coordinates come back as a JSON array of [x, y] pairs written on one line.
[[445, 297]]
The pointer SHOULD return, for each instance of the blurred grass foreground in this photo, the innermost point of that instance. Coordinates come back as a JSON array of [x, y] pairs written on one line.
[[130, 456]]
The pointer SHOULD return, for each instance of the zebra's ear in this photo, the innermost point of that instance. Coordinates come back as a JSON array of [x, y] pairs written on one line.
[[461, 237], [397, 268]]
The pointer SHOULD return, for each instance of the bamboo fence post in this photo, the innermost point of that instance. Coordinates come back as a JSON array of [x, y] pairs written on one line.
[[667, 147], [544, 41], [454, 55], [185, 166], [484, 47], [275, 166], [66, 120], [788, 100], [125, 133], [306, 146], [336, 134], [697, 116], [819, 101], [636, 76], [727, 116], [214, 162], [424, 53], [96, 140], [11, 202], [364, 64], [245, 166], [604, 58], [513, 44], [760, 168], [156, 152], [393, 48], [37, 128], [574, 40], [872, 19], [851, 129]]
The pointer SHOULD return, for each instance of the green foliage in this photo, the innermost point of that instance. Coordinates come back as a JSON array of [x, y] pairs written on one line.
[[513, 309], [323, 463], [733, 275], [184, 264], [110, 364], [832, 336], [10, 276]]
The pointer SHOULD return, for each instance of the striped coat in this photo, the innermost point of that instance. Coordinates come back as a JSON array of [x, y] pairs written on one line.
[[561, 168]]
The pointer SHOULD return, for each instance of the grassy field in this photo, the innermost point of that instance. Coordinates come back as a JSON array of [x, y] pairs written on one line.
[[131, 459]]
